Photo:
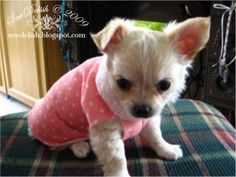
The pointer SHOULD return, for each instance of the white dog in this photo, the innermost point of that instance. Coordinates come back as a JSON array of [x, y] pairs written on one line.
[[118, 95]]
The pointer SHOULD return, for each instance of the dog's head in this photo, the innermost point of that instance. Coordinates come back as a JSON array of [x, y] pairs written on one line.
[[147, 69]]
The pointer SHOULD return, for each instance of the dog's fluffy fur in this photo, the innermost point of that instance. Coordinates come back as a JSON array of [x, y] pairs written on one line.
[[143, 57]]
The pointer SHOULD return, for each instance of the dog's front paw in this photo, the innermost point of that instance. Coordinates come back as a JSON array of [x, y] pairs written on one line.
[[122, 173], [80, 149], [169, 151]]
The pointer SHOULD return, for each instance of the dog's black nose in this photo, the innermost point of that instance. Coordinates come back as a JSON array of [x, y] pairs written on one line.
[[142, 111]]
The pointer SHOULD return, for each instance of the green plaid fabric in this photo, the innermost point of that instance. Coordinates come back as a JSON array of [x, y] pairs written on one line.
[[206, 137]]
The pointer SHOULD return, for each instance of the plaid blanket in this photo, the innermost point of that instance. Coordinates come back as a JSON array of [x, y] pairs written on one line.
[[206, 137]]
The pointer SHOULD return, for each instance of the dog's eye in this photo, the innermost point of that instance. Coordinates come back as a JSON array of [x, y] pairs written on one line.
[[124, 84], [163, 85]]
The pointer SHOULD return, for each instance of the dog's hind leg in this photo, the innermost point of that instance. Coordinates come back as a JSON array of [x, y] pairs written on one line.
[[80, 149]]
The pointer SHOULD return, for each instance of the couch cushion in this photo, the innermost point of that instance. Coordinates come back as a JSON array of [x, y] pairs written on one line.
[[206, 137]]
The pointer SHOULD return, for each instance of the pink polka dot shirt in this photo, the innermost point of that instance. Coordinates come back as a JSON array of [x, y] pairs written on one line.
[[73, 105]]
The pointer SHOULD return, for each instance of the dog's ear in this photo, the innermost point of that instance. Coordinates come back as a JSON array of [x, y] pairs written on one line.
[[190, 36], [110, 36]]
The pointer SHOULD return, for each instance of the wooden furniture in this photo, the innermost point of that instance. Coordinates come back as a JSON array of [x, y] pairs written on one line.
[[28, 66], [2, 74]]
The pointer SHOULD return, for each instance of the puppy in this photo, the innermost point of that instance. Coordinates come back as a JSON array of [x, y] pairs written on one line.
[[120, 94]]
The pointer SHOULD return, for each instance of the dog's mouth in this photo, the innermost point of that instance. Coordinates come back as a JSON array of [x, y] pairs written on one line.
[[143, 117]]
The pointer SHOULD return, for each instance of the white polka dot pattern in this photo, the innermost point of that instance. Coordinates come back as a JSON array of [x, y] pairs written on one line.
[[60, 117]]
